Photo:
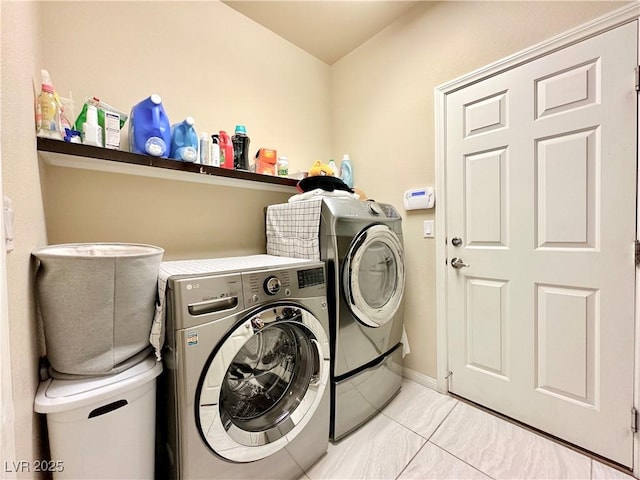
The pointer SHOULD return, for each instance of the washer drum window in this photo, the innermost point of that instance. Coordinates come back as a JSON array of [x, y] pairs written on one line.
[[263, 384]]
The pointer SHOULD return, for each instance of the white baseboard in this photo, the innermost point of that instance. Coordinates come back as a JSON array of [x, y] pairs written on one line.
[[420, 378]]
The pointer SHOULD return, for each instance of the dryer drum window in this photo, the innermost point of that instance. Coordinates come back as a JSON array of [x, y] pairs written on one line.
[[373, 276], [263, 383], [378, 267]]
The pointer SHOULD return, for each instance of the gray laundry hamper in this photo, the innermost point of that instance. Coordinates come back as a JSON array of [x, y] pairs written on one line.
[[97, 303]]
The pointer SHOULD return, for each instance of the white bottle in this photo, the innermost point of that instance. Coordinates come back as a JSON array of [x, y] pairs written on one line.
[[215, 150], [91, 131], [204, 149], [332, 166], [283, 167]]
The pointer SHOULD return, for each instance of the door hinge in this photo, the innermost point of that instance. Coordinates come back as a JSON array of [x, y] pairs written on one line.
[[634, 420], [637, 69], [637, 253]]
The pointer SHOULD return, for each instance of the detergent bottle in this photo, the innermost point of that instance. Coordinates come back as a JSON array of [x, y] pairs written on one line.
[[346, 171], [184, 141], [226, 150], [48, 110], [240, 142], [149, 128]]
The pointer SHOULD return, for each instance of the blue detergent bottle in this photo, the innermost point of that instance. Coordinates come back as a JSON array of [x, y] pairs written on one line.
[[346, 171], [149, 128], [184, 141]]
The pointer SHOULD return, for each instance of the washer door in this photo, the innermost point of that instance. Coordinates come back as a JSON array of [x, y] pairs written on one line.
[[263, 384], [373, 275]]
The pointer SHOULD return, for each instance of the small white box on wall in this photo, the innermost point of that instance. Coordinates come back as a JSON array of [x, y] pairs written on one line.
[[419, 198]]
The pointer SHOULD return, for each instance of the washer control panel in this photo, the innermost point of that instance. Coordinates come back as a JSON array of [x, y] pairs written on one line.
[[310, 277], [272, 285], [284, 283], [194, 299]]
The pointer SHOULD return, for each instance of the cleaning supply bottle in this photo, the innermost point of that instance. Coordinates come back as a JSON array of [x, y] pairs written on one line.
[[346, 171], [215, 150], [91, 131], [283, 166], [226, 151], [48, 110], [240, 142], [149, 128], [334, 169], [184, 141], [204, 150]]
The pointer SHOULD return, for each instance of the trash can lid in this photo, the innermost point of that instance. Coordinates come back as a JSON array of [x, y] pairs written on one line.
[[56, 395]]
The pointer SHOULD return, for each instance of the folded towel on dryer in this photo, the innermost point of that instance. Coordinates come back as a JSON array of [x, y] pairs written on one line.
[[293, 229]]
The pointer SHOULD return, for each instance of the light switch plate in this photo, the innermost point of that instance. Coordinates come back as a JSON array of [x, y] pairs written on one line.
[[428, 229]]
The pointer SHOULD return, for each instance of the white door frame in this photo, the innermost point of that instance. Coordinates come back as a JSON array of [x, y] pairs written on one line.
[[607, 22], [7, 435]]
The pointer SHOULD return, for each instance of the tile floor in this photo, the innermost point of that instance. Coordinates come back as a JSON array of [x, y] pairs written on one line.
[[422, 434]]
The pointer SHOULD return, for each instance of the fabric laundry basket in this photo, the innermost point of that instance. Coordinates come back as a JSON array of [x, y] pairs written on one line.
[[97, 303]]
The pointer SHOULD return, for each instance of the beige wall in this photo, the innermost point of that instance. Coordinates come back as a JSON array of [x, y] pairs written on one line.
[[188, 220], [383, 114], [208, 61], [205, 60], [20, 31]]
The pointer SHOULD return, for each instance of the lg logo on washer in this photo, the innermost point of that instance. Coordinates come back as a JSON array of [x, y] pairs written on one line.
[[191, 286]]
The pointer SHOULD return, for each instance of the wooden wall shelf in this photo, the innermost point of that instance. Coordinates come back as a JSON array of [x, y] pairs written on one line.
[[72, 155]]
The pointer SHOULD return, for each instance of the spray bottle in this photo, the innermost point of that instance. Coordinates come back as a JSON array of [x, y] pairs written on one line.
[[48, 110]]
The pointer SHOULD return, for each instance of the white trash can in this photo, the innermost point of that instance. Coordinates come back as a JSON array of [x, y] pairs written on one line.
[[102, 427]]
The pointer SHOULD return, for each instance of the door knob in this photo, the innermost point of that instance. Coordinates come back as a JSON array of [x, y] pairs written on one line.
[[457, 262], [456, 241]]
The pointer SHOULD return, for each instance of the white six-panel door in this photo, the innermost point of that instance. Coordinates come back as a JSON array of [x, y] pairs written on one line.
[[541, 193]]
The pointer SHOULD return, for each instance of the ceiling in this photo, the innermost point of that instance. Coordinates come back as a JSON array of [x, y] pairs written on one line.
[[327, 29]]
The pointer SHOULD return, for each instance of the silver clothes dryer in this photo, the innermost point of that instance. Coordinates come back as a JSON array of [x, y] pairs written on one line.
[[361, 243], [247, 359]]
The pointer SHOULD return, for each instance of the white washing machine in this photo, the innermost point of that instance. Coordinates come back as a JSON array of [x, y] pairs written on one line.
[[361, 243], [245, 393]]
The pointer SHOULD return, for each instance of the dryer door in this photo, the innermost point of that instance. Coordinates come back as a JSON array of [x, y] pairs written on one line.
[[263, 383], [373, 275]]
